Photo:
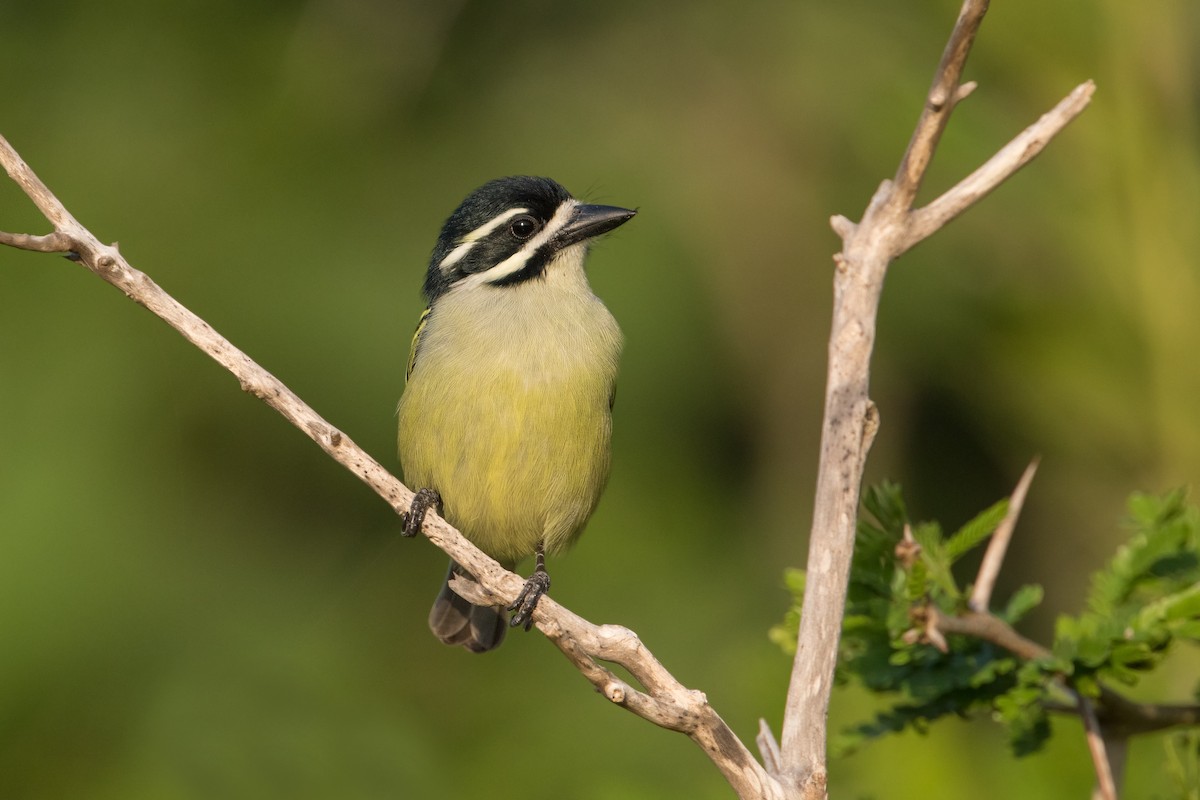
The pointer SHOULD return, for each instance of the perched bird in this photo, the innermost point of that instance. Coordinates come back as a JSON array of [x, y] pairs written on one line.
[[505, 420]]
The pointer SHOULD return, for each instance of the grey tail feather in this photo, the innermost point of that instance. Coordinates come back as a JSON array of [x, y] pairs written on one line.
[[457, 622]]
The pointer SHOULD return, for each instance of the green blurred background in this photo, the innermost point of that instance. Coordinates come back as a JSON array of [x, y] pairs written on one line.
[[196, 603]]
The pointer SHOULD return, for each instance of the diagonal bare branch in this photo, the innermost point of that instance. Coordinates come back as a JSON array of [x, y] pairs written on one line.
[[1017, 153], [993, 558], [666, 702], [1106, 787], [20, 173], [939, 104]]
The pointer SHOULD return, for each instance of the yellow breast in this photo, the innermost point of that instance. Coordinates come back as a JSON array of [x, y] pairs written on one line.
[[507, 411]]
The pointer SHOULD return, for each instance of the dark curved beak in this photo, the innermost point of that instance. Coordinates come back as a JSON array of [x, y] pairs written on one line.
[[591, 221]]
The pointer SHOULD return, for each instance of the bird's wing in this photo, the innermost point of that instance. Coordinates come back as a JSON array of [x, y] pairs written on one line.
[[416, 342]]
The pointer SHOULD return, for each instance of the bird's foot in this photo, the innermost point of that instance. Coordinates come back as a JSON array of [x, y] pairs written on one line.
[[412, 520], [537, 585]]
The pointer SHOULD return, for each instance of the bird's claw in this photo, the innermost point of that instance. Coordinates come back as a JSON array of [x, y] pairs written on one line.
[[414, 518], [537, 585]]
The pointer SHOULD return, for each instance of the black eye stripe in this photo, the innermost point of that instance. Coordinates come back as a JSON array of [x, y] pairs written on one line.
[[501, 244]]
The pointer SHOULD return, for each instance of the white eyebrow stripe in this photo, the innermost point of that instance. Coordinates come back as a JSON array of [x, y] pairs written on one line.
[[516, 262], [468, 241]]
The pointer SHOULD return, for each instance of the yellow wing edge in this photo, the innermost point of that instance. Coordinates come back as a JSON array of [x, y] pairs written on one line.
[[416, 341]]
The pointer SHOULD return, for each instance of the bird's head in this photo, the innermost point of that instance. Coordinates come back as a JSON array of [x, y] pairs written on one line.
[[510, 230]]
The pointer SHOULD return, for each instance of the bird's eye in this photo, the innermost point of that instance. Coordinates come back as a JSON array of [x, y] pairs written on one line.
[[523, 226]]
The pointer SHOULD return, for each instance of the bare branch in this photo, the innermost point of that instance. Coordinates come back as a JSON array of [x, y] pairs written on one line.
[[1122, 717], [1106, 789], [1117, 749], [888, 228], [847, 431], [993, 558], [665, 702], [939, 104], [989, 628], [1118, 716], [768, 748], [997, 169], [50, 243], [35, 190]]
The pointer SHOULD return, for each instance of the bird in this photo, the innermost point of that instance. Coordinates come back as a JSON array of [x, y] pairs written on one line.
[[505, 421]]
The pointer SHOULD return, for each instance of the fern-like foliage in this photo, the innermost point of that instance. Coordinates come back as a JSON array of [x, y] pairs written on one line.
[[1147, 597]]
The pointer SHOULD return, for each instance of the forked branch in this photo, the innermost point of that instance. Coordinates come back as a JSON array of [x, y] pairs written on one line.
[[993, 558], [888, 228]]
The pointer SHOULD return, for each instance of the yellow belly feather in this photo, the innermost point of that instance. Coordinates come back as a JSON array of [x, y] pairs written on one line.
[[507, 414]]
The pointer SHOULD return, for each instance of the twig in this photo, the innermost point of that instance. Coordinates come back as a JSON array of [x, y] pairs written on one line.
[[768, 748], [939, 103], [888, 228], [1010, 158], [993, 557], [1121, 717], [1117, 750], [989, 628], [50, 243], [1106, 789], [1118, 715], [665, 702]]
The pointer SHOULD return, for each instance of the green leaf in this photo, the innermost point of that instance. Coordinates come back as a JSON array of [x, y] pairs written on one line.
[[1087, 686], [977, 530], [1151, 510], [794, 578], [992, 670], [885, 503], [917, 585], [784, 637], [934, 558], [1023, 601], [1029, 731], [1162, 556], [1183, 764], [1184, 605]]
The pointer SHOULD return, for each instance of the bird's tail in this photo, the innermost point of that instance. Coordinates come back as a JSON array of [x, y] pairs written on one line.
[[456, 621]]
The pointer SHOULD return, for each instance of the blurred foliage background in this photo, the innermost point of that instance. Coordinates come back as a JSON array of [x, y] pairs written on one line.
[[196, 603]]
